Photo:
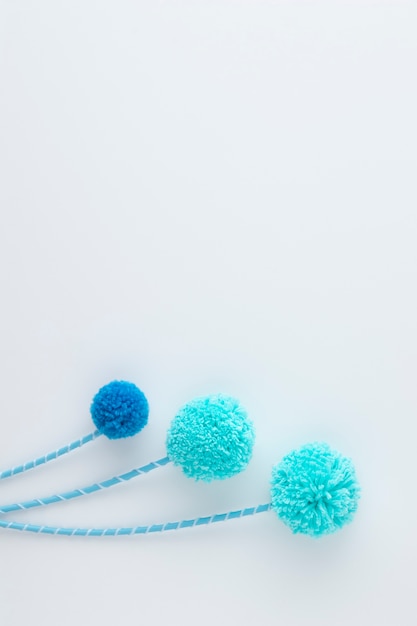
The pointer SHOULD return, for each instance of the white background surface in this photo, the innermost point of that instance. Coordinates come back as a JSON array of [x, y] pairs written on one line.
[[202, 197]]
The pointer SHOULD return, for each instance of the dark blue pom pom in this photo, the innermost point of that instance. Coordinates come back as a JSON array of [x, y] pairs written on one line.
[[119, 410]]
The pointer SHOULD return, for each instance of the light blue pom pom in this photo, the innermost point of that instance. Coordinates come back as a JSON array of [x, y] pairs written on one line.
[[314, 490], [211, 438], [119, 410]]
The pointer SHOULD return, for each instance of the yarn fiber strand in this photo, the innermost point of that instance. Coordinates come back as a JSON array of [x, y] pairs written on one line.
[[76, 493], [51, 456], [135, 530]]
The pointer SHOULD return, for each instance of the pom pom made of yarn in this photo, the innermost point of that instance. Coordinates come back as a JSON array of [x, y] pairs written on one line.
[[314, 490], [211, 438], [119, 410]]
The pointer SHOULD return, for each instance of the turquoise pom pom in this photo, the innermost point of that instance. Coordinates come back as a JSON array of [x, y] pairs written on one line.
[[119, 410], [314, 490], [211, 438]]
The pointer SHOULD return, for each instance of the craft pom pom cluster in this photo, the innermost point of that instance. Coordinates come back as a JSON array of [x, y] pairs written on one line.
[[314, 490]]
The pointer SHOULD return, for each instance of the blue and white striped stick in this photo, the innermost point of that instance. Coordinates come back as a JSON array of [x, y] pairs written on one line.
[[19, 469], [135, 530], [76, 493]]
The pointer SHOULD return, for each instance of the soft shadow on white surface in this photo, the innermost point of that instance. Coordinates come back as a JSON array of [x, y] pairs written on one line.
[[201, 197]]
